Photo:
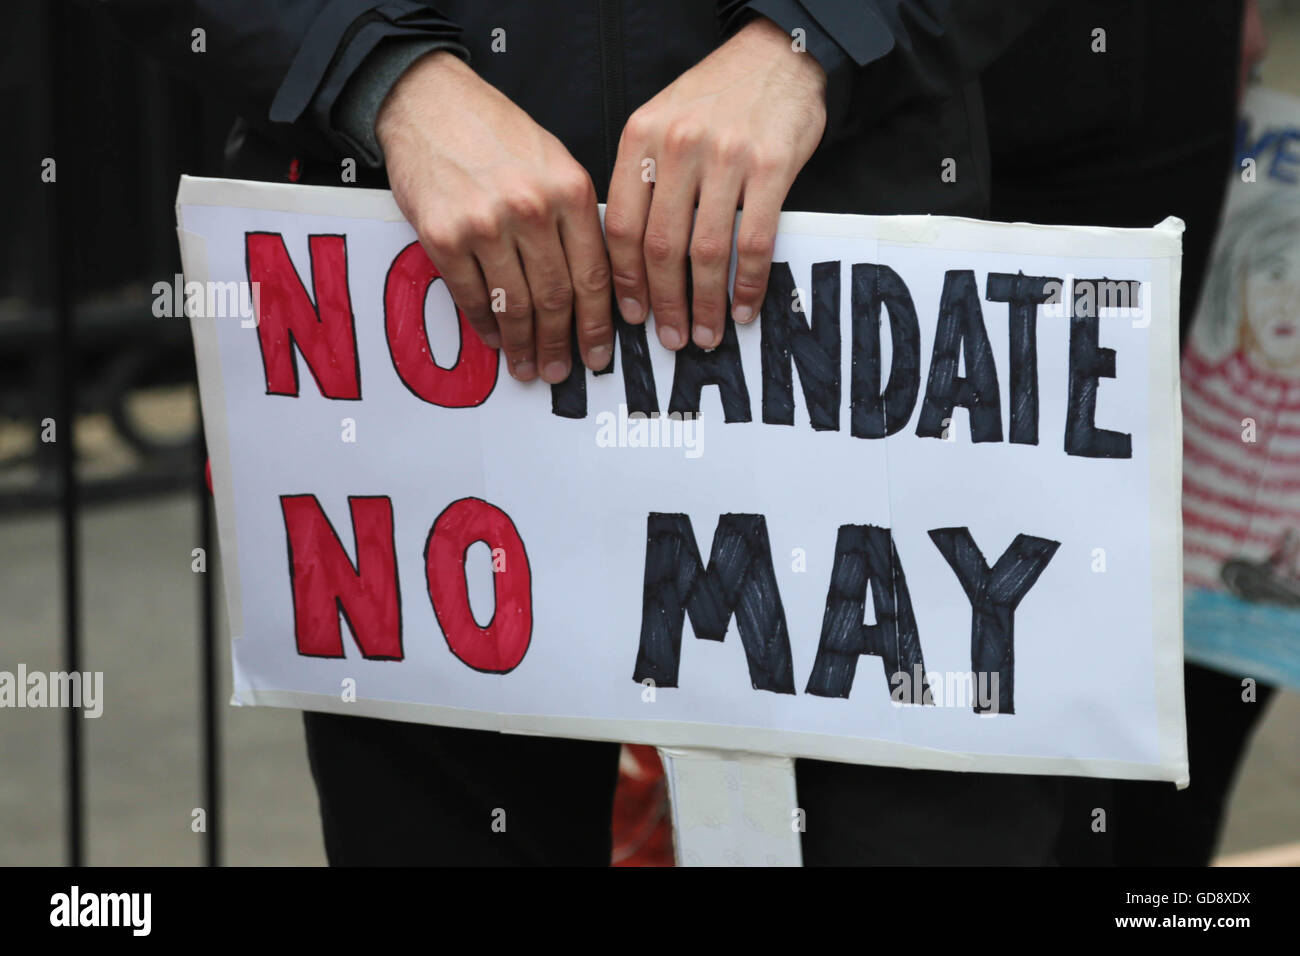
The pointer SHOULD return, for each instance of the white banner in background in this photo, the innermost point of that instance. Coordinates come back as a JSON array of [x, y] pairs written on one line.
[[924, 512]]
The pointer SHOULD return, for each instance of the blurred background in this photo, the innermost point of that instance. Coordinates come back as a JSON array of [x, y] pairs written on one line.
[[122, 133]]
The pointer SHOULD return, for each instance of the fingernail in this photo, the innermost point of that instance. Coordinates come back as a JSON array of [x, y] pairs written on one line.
[[631, 310], [492, 340], [742, 314], [555, 372], [598, 357], [703, 337], [670, 337], [524, 371]]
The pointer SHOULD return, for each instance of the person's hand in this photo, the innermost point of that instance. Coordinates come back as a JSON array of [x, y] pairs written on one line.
[[732, 131], [505, 213]]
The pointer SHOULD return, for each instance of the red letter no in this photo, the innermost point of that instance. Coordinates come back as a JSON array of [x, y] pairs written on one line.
[[286, 316], [499, 647], [471, 380], [325, 582]]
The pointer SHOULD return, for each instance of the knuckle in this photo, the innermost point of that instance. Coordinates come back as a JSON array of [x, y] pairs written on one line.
[[518, 309], [518, 344], [733, 150], [749, 285], [481, 225], [660, 248], [668, 305], [593, 279], [708, 306], [618, 227], [553, 345], [626, 280], [441, 244], [766, 162], [556, 297], [575, 189], [590, 328], [470, 301], [756, 245], [475, 308], [528, 205], [709, 250], [638, 128], [683, 136]]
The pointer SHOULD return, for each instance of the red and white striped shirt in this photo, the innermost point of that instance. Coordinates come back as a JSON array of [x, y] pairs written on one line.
[[1241, 497]]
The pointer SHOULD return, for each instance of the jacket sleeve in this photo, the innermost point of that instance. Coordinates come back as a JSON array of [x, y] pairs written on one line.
[[282, 63], [880, 55]]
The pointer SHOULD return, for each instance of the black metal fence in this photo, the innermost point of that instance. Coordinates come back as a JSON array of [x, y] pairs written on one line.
[[100, 138]]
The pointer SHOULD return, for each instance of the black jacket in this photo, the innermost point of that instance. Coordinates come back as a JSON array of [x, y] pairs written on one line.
[[902, 96]]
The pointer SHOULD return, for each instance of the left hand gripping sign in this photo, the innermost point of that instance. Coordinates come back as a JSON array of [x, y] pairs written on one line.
[[922, 513]]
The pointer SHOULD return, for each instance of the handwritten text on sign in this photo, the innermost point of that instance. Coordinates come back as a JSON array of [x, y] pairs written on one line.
[[956, 441]]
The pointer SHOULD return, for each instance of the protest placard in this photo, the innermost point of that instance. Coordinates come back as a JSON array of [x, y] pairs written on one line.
[[923, 512]]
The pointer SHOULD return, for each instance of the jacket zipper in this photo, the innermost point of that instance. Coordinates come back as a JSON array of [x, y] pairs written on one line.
[[610, 21]]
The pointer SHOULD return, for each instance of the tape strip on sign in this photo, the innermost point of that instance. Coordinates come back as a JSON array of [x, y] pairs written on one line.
[[924, 512]]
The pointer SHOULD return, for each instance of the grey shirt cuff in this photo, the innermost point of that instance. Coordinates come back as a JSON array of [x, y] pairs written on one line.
[[358, 104]]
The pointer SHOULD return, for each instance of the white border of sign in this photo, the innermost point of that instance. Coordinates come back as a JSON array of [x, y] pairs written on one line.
[[1162, 244]]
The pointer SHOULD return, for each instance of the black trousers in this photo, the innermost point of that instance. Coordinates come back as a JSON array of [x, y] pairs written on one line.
[[409, 794]]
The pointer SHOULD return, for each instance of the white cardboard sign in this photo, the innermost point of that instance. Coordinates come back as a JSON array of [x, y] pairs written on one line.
[[924, 512]]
